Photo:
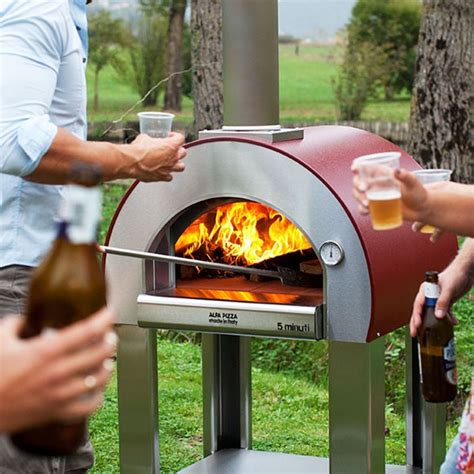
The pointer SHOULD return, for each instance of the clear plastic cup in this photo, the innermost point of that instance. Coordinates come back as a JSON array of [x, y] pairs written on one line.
[[382, 189], [155, 124], [432, 176]]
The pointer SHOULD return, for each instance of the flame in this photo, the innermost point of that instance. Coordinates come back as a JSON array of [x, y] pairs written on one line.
[[242, 233], [232, 295]]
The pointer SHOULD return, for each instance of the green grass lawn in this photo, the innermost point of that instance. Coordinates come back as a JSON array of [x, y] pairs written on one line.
[[290, 393], [306, 92]]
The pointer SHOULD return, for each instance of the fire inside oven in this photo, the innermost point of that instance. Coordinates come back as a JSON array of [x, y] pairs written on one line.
[[246, 234]]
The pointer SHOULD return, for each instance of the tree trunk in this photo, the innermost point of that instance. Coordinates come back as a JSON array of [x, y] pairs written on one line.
[[442, 96], [96, 89], [175, 54], [207, 59], [389, 93], [151, 99]]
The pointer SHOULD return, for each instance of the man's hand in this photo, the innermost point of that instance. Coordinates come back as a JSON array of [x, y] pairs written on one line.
[[453, 284], [57, 376], [414, 198], [413, 194], [155, 159], [146, 159], [435, 235]]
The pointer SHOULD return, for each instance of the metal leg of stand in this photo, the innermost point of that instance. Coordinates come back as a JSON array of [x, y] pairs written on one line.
[[414, 403], [138, 400], [426, 422], [357, 407], [226, 392], [434, 436]]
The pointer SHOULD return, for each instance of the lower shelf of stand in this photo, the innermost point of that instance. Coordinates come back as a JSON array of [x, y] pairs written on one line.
[[242, 461]]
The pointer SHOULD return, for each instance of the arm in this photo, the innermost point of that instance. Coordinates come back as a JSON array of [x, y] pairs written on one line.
[[42, 378], [455, 281], [31, 144], [446, 205], [146, 159]]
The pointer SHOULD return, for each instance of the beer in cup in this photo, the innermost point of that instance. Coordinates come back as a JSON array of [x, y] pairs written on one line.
[[382, 189], [428, 177], [155, 124]]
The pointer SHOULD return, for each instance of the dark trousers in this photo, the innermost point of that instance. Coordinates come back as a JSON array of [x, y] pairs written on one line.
[[14, 283]]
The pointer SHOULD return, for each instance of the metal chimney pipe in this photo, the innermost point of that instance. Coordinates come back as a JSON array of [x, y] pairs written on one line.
[[250, 33]]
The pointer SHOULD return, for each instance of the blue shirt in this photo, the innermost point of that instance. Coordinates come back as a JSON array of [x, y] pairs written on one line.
[[43, 48]]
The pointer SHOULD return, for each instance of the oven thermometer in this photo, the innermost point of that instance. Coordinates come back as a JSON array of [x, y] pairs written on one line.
[[331, 253]]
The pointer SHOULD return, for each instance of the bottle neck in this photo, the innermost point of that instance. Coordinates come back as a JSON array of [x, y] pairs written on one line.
[[62, 230], [80, 214], [432, 292]]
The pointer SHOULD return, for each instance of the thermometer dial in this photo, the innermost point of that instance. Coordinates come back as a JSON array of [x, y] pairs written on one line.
[[331, 253]]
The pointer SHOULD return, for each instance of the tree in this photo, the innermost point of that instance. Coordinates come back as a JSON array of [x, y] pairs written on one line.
[[146, 50], [356, 82], [440, 120], [391, 29], [174, 61], [207, 59], [380, 53], [106, 37]]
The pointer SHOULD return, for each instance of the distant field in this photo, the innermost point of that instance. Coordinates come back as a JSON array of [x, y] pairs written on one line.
[[306, 92]]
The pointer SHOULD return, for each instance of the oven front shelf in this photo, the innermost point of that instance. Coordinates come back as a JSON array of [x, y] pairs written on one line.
[[235, 306]]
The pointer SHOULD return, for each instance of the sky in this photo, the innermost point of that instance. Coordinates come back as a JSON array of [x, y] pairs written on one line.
[[302, 19], [313, 19]]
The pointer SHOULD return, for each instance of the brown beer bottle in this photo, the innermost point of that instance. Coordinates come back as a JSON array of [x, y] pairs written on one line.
[[436, 348], [67, 286]]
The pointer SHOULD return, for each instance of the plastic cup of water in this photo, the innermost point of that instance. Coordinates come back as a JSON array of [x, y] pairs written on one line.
[[155, 124]]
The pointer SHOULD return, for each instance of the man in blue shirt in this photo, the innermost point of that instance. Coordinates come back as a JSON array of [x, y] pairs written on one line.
[[43, 53]]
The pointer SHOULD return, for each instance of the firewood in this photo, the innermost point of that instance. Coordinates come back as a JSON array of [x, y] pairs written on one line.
[[311, 266]]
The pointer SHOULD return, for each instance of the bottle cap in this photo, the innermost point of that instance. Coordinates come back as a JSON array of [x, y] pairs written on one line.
[[431, 276]]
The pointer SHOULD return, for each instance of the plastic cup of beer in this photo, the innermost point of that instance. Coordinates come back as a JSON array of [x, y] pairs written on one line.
[[432, 176], [382, 189], [155, 124]]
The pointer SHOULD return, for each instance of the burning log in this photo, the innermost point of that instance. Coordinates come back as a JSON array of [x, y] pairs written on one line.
[[311, 266], [298, 268], [288, 260], [288, 266]]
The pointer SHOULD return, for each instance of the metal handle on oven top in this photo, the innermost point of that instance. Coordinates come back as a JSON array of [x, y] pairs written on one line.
[[188, 261]]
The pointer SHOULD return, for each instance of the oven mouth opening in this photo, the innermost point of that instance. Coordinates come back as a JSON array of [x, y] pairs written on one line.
[[247, 234]]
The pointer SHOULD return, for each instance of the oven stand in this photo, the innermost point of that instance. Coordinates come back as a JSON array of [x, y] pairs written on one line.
[[138, 400], [356, 407], [227, 392], [356, 411]]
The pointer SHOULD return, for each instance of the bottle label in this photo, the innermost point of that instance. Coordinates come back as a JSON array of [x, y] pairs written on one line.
[[449, 360], [431, 290], [81, 210]]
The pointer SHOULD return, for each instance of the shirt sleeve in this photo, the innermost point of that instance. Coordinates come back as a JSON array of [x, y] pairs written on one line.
[[31, 47]]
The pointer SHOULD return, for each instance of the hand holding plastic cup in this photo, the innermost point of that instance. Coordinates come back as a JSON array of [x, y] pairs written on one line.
[[382, 189], [155, 124], [427, 177]]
